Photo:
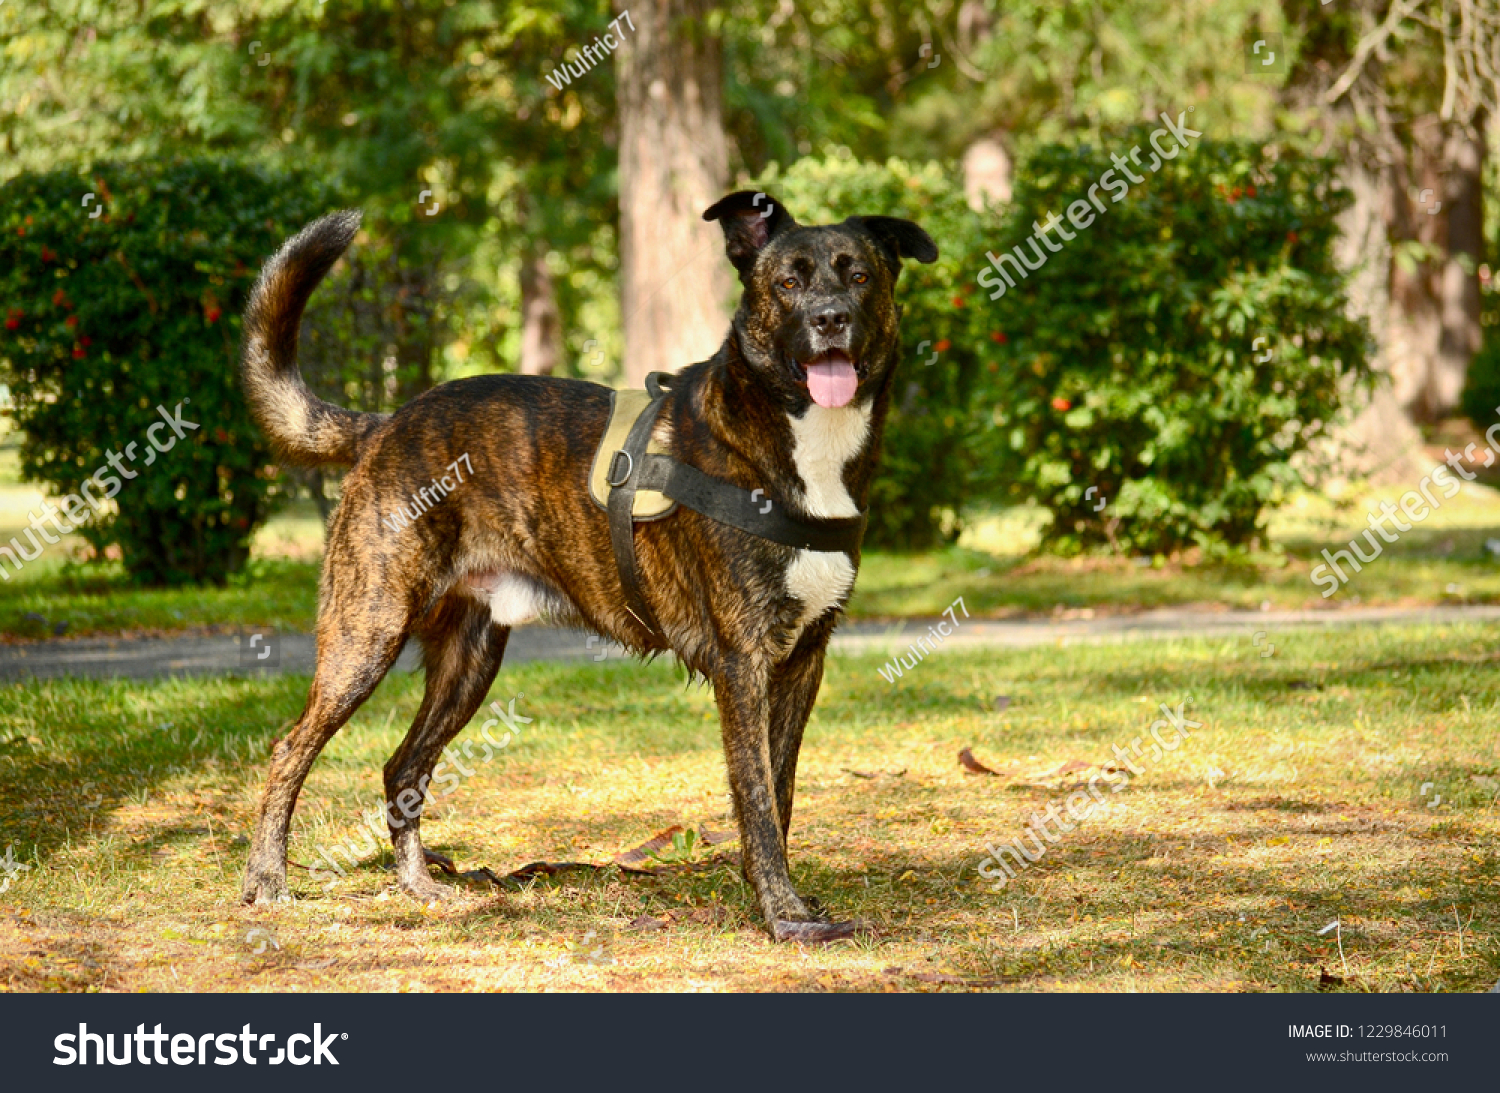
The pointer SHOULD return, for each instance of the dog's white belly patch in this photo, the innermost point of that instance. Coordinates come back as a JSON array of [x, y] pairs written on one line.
[[513, 599], [823, 442]]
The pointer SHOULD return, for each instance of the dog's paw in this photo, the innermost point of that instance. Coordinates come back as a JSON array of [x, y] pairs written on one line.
[[263, 891], [814, 933], [425, 890]]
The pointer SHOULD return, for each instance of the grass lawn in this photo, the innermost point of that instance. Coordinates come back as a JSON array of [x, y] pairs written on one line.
[[1304, 798]]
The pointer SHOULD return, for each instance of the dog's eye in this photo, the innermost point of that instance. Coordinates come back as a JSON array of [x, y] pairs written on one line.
[[790, 282], [860, 278]]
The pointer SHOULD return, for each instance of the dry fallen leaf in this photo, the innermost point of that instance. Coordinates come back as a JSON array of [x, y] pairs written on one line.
[[974, 766], [660, 841], [1066, 768]]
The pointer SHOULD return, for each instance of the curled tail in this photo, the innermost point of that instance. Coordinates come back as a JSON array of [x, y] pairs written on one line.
[[302, 427]]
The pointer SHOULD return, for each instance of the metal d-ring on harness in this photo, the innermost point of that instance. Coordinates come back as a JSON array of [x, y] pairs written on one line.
[[632, 468]]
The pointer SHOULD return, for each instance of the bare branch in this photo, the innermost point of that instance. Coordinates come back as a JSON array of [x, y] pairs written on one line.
[[1398, 12]]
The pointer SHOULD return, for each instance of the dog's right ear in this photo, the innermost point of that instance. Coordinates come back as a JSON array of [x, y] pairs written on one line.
[[750, 220]]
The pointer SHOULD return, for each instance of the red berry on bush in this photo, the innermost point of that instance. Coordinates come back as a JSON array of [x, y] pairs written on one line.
[[77, 353], [996, 336], [47, 255], [943, 345], [958, 301], [58, 297], [212, 314], [12, 323], [71, 320], [1061, 404]]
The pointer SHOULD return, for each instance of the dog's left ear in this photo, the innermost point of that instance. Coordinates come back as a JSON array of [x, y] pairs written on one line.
[[750, 219], [898, 238]]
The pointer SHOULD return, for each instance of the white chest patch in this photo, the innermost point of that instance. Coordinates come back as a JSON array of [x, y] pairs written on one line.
[[823, 442]]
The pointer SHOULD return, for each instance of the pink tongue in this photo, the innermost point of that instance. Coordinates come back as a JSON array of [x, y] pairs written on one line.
[[831, 383]]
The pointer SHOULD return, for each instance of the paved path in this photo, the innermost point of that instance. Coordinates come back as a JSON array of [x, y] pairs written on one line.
[[154, 658]]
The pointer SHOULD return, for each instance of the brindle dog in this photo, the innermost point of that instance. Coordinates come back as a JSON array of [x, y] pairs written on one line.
[[793, 404]]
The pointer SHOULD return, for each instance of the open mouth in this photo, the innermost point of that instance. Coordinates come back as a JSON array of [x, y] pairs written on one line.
[[831, 378]]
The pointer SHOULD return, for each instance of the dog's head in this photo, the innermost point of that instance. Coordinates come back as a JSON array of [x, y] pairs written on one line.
[[818, 318]]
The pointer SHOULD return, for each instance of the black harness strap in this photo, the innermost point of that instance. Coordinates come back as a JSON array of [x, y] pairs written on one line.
[[624, 479], [747, 510], [632, 469]]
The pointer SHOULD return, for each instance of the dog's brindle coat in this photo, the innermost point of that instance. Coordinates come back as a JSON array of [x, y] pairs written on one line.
[[521, 536]]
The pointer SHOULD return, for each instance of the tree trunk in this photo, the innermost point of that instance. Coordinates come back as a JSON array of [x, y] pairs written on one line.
[[1459, 287], [674, 279], [1381, 443], [541, 325], [1435, 202], [1414, 225], [987, 168]]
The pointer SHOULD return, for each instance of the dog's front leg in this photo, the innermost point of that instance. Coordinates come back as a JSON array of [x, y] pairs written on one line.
[[794, 689], [742, 688]]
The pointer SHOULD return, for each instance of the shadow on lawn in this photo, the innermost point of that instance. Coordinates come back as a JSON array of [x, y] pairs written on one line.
[[106, 774]]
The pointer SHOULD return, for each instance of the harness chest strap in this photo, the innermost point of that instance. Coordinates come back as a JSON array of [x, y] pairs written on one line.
[[632, 468], [622, 487]]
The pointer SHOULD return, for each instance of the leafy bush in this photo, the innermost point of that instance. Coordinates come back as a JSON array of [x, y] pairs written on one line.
[[1481, 399], [108, 317], [939, 448], [1135, 362], [1481, 403]]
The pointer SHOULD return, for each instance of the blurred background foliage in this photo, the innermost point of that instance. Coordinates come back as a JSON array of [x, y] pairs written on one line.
[[123, 350], [492, 201]]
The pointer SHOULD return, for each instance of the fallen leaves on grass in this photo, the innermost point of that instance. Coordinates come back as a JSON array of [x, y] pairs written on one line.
[[945, 979], [973, 766], [1068, 767], [632, 859]]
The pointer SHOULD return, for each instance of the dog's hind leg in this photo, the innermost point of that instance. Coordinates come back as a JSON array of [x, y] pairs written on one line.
[[350, 667], [462, 650]]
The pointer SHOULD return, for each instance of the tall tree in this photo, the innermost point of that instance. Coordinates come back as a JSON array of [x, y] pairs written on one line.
[[674, 282], [1408, 88], [541, 325]]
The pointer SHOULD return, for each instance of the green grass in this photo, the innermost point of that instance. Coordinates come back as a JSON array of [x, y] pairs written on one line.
[[1300, 801], [99, 600]]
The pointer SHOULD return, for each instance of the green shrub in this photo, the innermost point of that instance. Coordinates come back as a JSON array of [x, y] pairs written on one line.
[[1481, 399], [936, 456], [108, 318], [1481, 403], [1133, 363]]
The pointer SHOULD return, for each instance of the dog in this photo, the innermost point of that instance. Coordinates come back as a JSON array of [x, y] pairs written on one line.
[[792, 404]]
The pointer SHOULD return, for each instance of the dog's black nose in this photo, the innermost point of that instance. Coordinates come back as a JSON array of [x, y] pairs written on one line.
[[830, 320]]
